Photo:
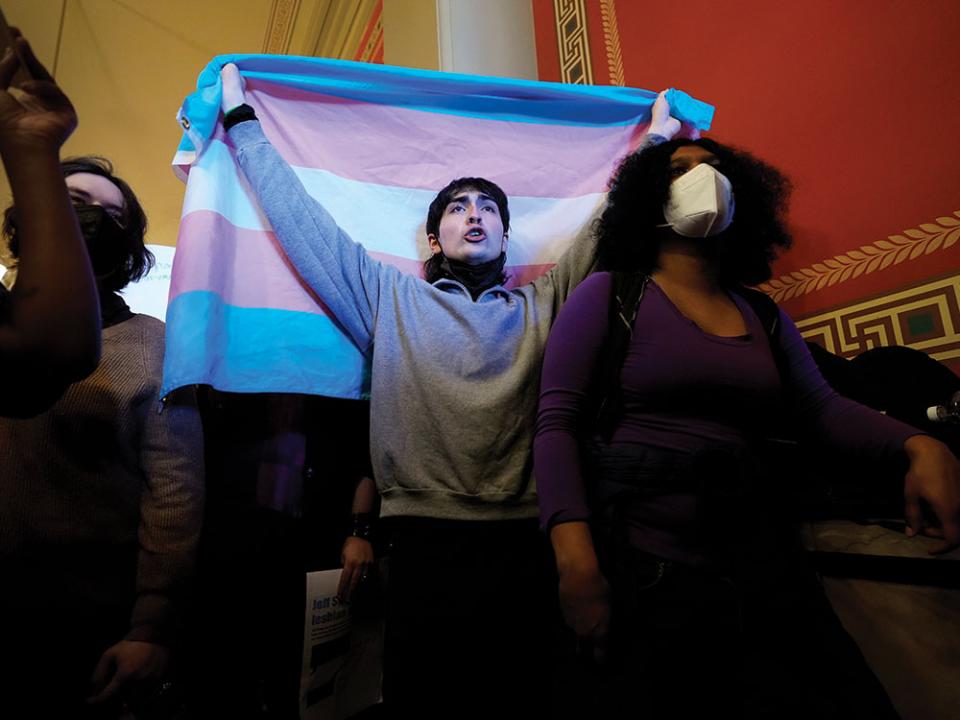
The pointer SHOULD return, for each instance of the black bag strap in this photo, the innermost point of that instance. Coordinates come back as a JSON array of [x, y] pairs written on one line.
[[626, 293], [769, 314]]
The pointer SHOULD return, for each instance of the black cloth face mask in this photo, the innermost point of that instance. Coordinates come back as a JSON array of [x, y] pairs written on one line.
[[105, 237]]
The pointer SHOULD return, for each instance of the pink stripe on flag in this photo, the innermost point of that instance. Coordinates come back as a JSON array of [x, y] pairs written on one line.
[[401, 147], [518, 275], [247, 268]]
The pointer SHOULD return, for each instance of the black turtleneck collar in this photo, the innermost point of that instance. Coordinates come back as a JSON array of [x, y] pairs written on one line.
[[113, 309], [476, 278]]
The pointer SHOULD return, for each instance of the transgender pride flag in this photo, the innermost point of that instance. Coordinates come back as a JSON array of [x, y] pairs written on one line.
[[374, 144]]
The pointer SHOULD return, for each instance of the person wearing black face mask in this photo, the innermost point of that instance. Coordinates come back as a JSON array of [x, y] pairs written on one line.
[[49, 325], [104, 238], [101, 495]]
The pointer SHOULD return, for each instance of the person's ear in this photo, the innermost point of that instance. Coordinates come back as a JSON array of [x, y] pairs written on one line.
[[503, 245], [434, 243]]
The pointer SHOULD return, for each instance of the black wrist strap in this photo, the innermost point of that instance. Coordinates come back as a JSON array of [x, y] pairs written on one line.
[[239, 114], [363, 525]]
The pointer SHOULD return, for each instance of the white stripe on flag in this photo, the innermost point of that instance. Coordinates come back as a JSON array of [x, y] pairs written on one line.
[[383, 218]]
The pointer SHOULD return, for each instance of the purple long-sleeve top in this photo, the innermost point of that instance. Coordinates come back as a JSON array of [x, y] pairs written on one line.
[[682, 389]]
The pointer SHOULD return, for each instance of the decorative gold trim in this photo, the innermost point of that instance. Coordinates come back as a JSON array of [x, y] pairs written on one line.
[[280, 27], [343, 27], [573, 42], [369, 49], [925, 317], [611, 37], [922, 240]]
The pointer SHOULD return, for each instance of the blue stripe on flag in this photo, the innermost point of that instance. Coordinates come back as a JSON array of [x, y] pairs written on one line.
[[467, 95], [258, 350]]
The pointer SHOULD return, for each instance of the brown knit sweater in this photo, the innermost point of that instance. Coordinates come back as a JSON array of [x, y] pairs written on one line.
[[101, 496]]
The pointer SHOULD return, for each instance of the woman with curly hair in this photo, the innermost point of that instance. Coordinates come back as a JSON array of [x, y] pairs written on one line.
[[661, 379]]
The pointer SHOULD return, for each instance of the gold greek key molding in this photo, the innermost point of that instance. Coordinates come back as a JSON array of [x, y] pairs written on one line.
[[922, 240], [611, 37], [280, 26], [925, 317], [573, 42]]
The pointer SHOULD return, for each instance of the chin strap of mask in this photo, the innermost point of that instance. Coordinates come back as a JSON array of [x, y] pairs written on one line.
[[476, 278]]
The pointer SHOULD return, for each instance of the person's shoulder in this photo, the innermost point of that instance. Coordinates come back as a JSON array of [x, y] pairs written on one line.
[[143, 334], [598, 284], [600, 277], [145, 327], [149, 323], [591, 295], [153, 332]]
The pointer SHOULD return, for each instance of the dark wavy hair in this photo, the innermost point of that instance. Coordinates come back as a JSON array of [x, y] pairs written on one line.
[[628, 237], [431, 266], [137, 259]]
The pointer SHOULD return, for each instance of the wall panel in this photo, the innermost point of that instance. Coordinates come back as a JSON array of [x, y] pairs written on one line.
[[854, 101]]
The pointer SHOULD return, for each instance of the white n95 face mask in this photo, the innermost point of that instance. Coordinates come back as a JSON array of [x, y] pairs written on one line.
[[700, 203]]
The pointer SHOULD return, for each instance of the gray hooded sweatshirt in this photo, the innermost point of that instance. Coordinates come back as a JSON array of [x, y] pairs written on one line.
[[455, 382]]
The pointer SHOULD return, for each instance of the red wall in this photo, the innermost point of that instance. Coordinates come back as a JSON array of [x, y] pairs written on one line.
[[856, 101]]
